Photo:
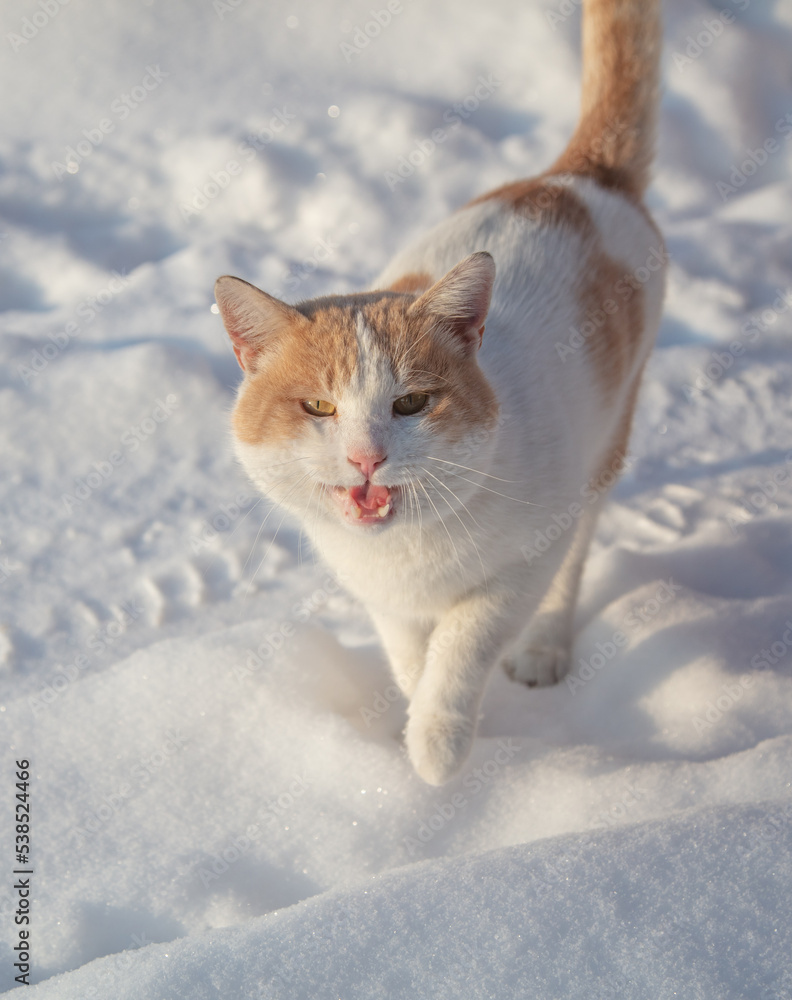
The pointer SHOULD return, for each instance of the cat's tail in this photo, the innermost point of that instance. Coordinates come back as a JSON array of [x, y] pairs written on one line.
[[614, 140]]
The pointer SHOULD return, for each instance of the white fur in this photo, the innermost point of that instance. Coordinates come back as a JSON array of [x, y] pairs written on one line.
[[452, 593]]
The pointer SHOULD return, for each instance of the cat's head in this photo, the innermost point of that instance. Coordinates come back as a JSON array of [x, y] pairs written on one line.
[[351, 405]]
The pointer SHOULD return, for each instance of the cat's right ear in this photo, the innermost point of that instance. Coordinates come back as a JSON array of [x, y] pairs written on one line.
[[251, 317], [458, 303]]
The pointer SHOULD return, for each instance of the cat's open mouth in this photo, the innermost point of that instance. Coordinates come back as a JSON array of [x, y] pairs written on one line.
[[366, 504]]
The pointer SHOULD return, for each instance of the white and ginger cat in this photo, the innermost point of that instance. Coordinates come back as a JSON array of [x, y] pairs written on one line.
[[421, 454]]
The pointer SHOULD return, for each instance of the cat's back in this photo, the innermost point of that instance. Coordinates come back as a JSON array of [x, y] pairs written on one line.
[[578, 288]]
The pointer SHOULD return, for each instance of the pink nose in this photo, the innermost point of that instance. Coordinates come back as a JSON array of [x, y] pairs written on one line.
[[366, 462]]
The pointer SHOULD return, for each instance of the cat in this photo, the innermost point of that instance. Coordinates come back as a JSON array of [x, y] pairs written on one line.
[[427, 459]]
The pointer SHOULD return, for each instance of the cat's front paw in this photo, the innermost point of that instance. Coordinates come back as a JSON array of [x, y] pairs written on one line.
[[438, 745], [538, 667]]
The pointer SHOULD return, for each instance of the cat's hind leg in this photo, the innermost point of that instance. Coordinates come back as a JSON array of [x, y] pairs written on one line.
[[542, 654]]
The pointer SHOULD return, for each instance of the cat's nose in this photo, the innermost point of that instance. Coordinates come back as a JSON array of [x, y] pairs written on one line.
[[367, 462]]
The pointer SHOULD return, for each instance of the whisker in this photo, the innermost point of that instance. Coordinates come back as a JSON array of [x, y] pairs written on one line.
[[272, 540], [512, 482], [255, 541], [425, 334], [453, 544], [414, 497], [261, 526], [408, 496], [481, 486], [456, 514], [423, 371], [460, 502], [239, 522], [404, 354], [269, 548], [277, 465], [420, 519], [402, 346], [317, 510], [305, 515]]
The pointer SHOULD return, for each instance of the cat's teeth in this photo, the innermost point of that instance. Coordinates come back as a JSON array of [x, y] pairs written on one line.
[[356, 512], [382, 512]]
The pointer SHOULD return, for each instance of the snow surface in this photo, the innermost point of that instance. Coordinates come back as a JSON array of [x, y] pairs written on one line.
[[208, 821]]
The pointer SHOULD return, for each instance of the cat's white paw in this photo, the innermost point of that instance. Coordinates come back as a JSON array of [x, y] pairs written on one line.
[[538, 666], [438, 745]]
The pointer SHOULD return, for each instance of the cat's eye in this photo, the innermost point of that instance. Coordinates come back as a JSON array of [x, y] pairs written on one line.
[[318, 407], [411, 403]]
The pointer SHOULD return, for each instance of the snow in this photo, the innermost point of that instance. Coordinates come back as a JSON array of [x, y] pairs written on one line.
[[221, 804]]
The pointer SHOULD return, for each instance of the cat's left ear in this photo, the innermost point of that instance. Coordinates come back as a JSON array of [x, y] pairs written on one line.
[[252, 318], [458, 303]]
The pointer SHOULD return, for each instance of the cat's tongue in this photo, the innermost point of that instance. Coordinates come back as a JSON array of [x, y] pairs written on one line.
[[366, 504], [369, 498]]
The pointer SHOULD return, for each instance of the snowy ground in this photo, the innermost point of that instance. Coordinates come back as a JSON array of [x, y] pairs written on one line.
[[212, 822]]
